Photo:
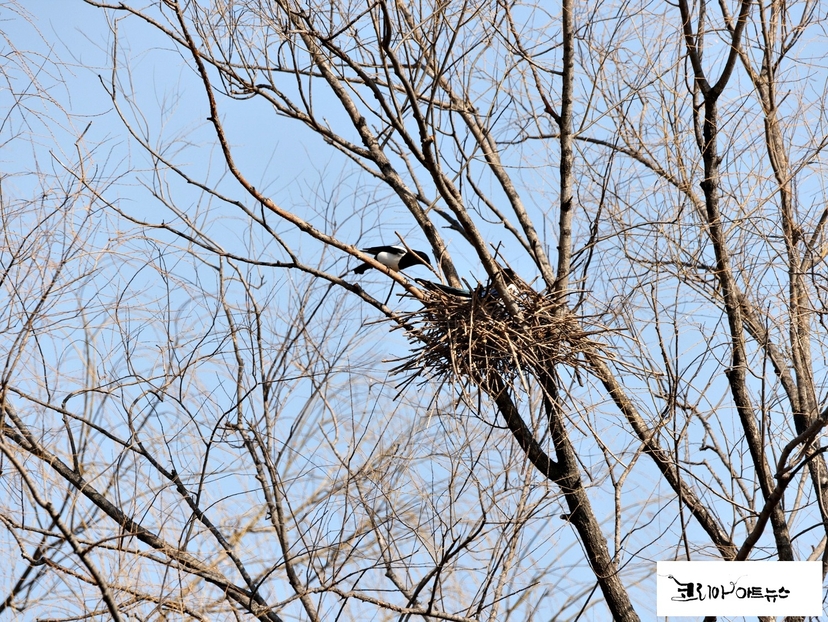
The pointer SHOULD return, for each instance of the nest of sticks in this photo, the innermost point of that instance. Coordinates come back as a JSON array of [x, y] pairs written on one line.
[[474, 336]]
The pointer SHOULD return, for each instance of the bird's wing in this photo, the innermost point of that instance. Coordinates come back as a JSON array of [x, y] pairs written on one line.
[[376, 250]]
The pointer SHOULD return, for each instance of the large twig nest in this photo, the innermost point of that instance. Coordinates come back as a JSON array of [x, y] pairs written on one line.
[[471, 336]]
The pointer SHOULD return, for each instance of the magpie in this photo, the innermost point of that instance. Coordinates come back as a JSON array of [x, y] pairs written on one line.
[[445, 289], [509, 277], [394, 257]]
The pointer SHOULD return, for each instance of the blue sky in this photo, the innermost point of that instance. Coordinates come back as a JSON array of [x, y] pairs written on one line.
[[295, 168]]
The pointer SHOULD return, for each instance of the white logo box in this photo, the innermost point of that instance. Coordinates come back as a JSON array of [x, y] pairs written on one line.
[[718, 588]]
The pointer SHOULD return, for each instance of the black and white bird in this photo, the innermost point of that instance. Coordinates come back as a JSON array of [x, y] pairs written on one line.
[[445, 289], [394, 257]]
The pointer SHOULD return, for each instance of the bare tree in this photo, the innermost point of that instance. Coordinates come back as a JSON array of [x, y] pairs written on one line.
[[618, 358]]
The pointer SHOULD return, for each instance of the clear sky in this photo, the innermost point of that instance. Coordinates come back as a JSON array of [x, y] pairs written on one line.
[[70, 126]]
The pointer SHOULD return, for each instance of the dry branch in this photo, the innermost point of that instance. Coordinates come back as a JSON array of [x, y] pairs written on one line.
[[474, 336]]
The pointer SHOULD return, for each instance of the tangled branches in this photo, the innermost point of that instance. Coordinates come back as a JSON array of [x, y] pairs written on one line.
[[471, 335]]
